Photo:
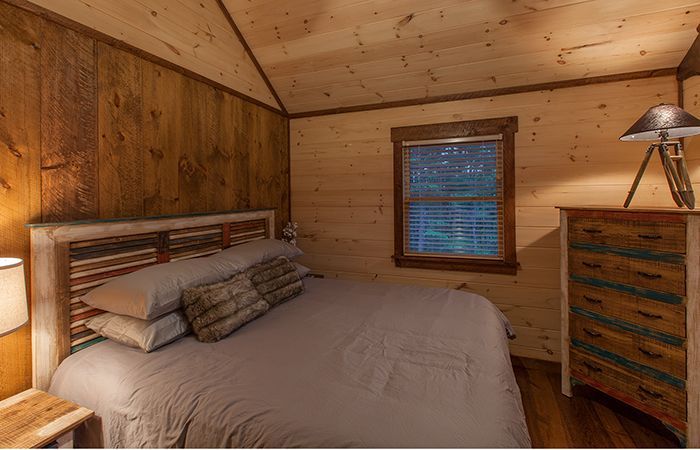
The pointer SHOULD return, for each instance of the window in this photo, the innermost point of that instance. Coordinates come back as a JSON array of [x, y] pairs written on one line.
[[454, 196]]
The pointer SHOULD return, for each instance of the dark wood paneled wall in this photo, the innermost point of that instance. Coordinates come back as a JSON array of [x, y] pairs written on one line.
[[170, 144], [91, 131], [20, 139]]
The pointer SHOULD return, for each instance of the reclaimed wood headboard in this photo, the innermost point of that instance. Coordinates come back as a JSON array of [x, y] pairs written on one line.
[[70, 259]]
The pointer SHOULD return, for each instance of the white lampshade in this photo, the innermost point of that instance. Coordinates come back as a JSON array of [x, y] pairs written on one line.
[[13, 295]]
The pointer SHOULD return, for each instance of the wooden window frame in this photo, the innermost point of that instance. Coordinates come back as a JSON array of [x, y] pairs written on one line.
[[507, 127]]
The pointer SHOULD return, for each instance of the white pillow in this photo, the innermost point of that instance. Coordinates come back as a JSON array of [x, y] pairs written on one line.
[[241, 257], [156, 290], [147, 335]]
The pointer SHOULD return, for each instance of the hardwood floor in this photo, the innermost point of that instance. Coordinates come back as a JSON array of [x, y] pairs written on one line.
[[589, 419]]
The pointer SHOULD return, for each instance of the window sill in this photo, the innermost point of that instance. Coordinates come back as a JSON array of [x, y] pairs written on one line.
[[457, 264]]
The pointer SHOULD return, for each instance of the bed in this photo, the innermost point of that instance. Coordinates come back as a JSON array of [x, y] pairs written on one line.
[[346, 364]]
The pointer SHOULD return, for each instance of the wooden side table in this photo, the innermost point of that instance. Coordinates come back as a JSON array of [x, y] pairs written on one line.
[[34, 419]]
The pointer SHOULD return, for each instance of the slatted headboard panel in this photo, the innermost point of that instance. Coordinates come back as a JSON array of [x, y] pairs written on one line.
[[69, 260]]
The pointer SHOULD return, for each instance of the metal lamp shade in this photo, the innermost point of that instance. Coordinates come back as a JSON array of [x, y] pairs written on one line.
[[13, 296], [670, 118]]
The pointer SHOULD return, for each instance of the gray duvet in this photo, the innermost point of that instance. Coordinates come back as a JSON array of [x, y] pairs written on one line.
[[346, 364]]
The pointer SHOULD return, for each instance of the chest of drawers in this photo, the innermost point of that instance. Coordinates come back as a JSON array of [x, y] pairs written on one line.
[[630, 283]]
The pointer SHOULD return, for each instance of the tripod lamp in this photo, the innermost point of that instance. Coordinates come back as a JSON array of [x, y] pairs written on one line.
[[664, 122]]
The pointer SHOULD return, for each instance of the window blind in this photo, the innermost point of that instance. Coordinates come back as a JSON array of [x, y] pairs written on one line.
[[453, 198]]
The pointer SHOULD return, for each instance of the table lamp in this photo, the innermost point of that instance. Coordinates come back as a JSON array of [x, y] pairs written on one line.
[[664, 122], [13, 296]]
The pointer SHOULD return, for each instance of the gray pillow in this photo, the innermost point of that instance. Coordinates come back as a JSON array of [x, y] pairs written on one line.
[[302, 269], [276, 280], [147, 335], [151, 292], [216, 310], [241, 257]]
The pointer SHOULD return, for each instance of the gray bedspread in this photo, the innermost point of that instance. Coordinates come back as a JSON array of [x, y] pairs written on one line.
[[346, 364]]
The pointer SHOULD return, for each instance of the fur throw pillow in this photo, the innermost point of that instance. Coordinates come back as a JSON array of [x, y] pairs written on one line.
[[277, 280], [216, 310]]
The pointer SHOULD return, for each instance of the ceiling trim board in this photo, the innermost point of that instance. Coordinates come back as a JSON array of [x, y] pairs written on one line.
[[121, 45], [670, 71], [690, 66], [249, 51]]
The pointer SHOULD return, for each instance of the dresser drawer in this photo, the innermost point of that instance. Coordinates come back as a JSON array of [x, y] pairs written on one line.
[[651, 314], [647, 351], [659, 276], [646, 390], [661, 236]]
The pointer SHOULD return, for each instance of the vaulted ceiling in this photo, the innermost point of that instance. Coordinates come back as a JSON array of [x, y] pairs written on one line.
[[323, 54]]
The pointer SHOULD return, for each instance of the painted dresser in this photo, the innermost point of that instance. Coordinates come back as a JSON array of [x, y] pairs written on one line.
[[630, 291]]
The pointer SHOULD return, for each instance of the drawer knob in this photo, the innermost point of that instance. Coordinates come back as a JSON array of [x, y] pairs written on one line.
[[649, 315], [592, 367], [591, 265], [651, 354], [592, 230], [593, 333], [592, 300], [650, 236], [650, 276], [650, 392]]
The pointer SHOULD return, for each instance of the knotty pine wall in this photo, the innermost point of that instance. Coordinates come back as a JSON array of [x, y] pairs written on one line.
[[567, 153], [89, 131]]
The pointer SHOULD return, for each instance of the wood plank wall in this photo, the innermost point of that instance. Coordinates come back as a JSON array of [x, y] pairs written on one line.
[[89, 131], [567, 153], [192, 34]]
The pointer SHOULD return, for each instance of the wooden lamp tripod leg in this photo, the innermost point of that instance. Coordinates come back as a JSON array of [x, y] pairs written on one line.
[[638, 178], [674, 183], [689, 197], [682, 168]]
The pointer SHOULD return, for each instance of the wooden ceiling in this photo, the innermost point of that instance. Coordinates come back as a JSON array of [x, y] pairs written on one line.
[[326, 54], [322, 54]]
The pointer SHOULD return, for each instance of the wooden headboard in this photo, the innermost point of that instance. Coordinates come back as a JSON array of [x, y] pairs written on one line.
[[70, 259]]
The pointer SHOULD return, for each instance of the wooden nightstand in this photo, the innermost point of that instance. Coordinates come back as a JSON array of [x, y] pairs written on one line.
[[33, 419]]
